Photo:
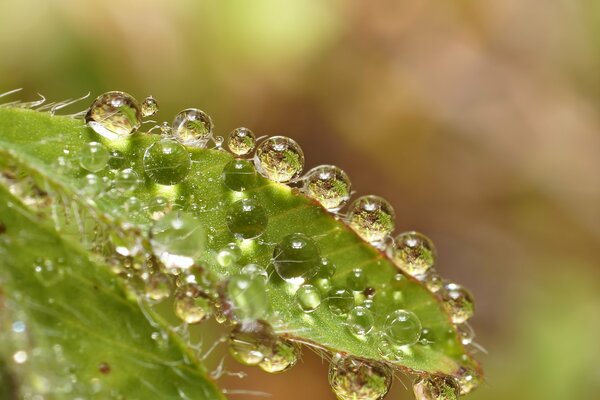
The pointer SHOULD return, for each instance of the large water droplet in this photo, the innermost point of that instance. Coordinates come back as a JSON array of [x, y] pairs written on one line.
[[178, 239], [167, 162], [296, 258], [402, 328], [193, 127], [329, 185], [149, 107], [241, 141], [279, 158], [114, 114], [436, 387], [458, 302], [413, 252], [372, 218], [308, 298], [239, 175], [248, 296], [354, 379], [93, 156], [247, 219], [191, 304], [340, 300], [360, 320]]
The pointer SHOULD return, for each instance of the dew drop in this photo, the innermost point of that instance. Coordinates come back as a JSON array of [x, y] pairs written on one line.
[[281, 356], [327, 268], [248, 295], [247, 219], [413, 252], [402, 328], [114, 115], [357, 280], [126, 181], [167, 162], [296, 258], [158, 287], [468, 380], [117, 160], [241, 141], [93, 185], [372, 218], [149, 107], [93, 157], [158, 206], [191, 304], [458, 302], [433, 281], [239, 175], [178, 239], [466, 333], [436, 387], [360, 320], [353, 379], [340, 300], [165, 129], [255, 270], [279, 159], [229, 255], [193, 127], [308, 298], [248, 343], [329, 185]]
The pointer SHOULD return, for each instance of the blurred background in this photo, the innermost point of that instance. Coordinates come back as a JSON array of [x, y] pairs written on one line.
[[479, 120]]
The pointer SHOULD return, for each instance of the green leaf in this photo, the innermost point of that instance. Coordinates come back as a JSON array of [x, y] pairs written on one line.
[[39, 145]]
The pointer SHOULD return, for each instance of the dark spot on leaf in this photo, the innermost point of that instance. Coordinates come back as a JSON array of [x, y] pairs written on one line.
[[2, 228], [104, 368], [369, 292]]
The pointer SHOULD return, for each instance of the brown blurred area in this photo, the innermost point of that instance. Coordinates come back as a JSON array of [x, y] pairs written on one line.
[[479, 120]]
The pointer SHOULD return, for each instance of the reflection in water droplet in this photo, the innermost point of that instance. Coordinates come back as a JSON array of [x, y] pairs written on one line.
[[167, 162], [248, 296], [458, 302], [436, 387], [178, 239], [247, 219], [308, 298], [239, 175], [193, 127], [192, 305], [329, 185], [353, 379], [360, 320], [93, 156], [149, 107], [413, 252], [241, 141], [114, 114], [296, 258], [402, 328], [279, 159], [372, 218]]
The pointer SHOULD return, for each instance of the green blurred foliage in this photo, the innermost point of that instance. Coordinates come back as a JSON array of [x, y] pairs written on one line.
[[479, 120]]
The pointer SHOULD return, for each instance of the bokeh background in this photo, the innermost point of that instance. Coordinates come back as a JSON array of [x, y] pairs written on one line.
[[479, 120]]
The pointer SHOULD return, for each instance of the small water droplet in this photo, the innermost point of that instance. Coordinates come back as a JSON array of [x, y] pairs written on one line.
[[458, 302], [167, 162], [117, 160], [352, 379], [329, 185], [193, 127], [357, 280], [248, 295], [372, 218], [255, 270], [241, 141], [436, 387], [466, 333], [158, 206], [413, 252], [165, 129], [114, 114], [158, 287], [340, 300], [126, 181], [93, 156], [308, 298], [468, 380], [279, 159], [247, 219], [178, 239], [229, 255], [296, 258], [433, 281], [327, 268], [360, 320], [239, 175], [192, 305], [93, 185], [149, 107], [248, 343], [403, 327]]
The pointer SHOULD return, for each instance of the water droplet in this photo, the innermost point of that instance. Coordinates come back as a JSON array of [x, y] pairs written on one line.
[[114, 114], [126, 181], [308, 298], [193, 127], [93, 156], [229, 255], [329, 185], [433, 281], [167, 162], [165, 129], [149, 107], [158, 287], [282, 356], [436, 387], [466, 333], [192, 305], [20, 357], [403, 327], [158, 206], [468, 380], [241, 141], [239, 175], [248, 295], [255, 270], [340, 300], [413, 252], [248, 343], [247, 219], [178, 239], [356, 280], [117, 160], [93, 185], [327, 268], [458, 302], [360, 320], [296, 258], [372, 218], [352, 379], [279, 158]]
